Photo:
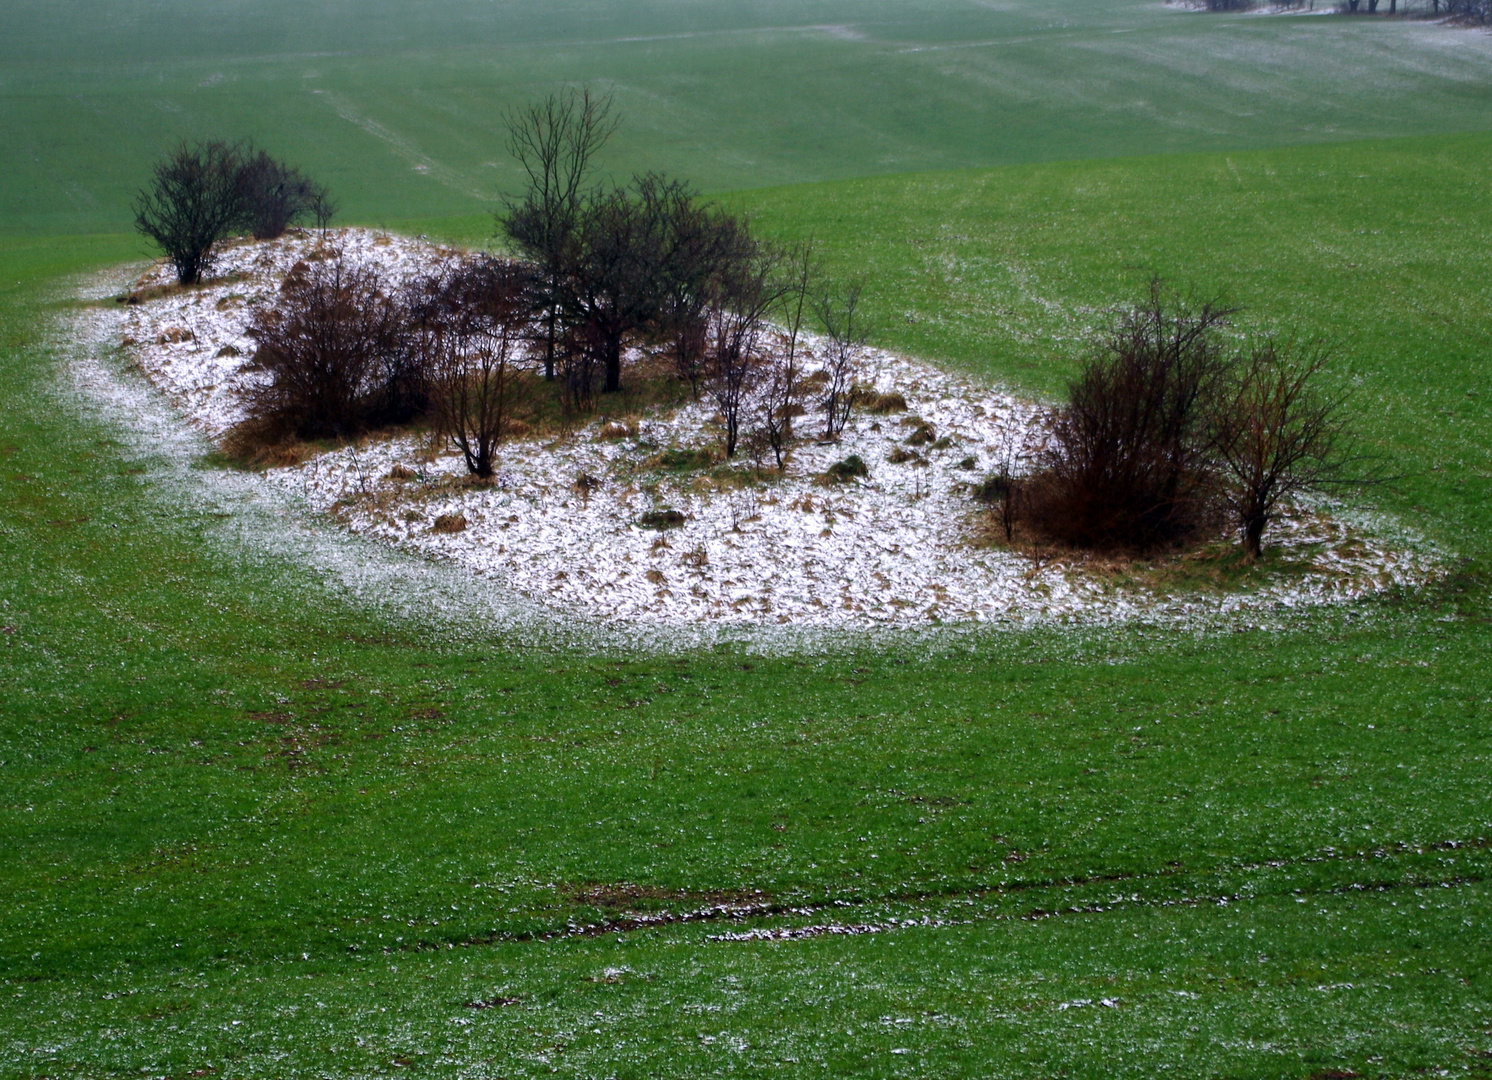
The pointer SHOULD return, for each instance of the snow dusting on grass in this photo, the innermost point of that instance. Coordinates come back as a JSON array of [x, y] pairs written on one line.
[[652, 528]]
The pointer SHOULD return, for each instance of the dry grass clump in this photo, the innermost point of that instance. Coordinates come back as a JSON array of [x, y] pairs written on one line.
[[871, 400], [847, 471]]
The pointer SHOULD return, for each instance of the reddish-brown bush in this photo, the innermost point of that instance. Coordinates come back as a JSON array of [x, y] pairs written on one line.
[[322, 346]]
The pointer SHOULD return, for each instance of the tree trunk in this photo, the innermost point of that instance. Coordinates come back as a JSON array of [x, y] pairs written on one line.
[[613, 366], [550, 331], [1253, 537]]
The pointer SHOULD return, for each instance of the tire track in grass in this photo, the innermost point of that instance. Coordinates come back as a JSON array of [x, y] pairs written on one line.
[[758, 906]]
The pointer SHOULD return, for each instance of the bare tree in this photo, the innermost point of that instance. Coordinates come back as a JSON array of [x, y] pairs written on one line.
[[781, 382], [736, 322], [1002, 487], [838, 314], [273, 195], [555, 142], [473, 346], [321, 346], [702, 244], [323, 207], [194, 200], [611, 280], [1276, 433]]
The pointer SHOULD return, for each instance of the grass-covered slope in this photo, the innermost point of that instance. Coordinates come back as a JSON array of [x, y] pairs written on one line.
[[249, 826], [398, 106]]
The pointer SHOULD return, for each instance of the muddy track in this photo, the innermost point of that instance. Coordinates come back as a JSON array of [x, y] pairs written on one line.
[[755, 907]]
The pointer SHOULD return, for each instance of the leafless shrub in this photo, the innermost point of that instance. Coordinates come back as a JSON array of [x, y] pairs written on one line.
[[838, 312], [781, 383], [1275, 433], [193, 201], [1003, 488], [321, 346], [471, 337], [323, 207], [1126, 467], [273, 196], [736, 326]]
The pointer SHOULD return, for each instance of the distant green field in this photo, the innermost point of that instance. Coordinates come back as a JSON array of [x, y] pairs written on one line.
[[398, 105], [252, 825]]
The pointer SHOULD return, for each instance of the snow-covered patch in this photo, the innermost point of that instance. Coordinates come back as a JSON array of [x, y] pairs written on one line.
[[566, 520]]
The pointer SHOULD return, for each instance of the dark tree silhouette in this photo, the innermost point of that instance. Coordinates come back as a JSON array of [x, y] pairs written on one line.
[[1276, 433], [273, 195], [194, 200], [555, 141]]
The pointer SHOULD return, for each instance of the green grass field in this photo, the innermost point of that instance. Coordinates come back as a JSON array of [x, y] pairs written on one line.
[[253, 825]]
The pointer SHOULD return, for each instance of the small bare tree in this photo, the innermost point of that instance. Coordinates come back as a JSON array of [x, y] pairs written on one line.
[[781, 382], [194, 200], [1275, 432], [1002, 486], [474, 345], [736, 322], [323, 207], [838, 314], [555, 142]]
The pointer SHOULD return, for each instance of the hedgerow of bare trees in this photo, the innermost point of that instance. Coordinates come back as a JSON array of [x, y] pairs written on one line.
[[608, 268], [205, 191]]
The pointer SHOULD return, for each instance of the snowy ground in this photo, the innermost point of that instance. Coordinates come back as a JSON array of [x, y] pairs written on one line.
[[897, 548]]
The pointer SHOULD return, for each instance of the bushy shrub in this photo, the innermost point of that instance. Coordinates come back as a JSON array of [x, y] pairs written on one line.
[[1169, 428], [204, 191], [1127, 467], [322, 345], [273, 196]]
